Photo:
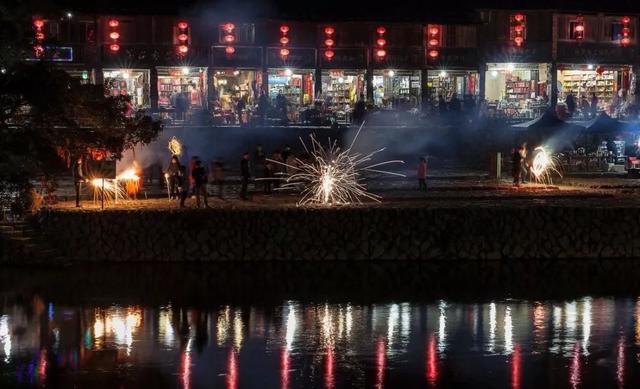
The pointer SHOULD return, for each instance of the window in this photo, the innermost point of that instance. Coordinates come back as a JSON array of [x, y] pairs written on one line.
[[576, 29], [244, 34]]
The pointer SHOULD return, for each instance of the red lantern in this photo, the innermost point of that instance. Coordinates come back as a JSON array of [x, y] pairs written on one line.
[[381, 30], [518, 40], [329, 30], [580, 28], [229, 38], [229, 50], [519, 28], [183, 49], [39, 36], [284, 41], [626, 31], [114, 23], [433, 42], [38, 23], [284, 52], [114, 35], [625, 41], [183, 37], [626, 20], [183, 25], [114, 47], [38, 50], [329, 54], [433, 53], [381, 42], [434, 30], [518, 18], [380, 53], [284, 29], [228, 27], [329, 42]]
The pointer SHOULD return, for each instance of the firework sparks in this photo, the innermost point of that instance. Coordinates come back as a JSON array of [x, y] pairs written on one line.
[[332, 175], [175, 146], [544, 166], [112, 189]]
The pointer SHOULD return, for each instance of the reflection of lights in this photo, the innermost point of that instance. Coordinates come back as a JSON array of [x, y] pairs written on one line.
[[515, 368], [329, 377], [394, 318], [232, 373], [556, 314], [442, 327], [236, 72], [637, 322], [5, 337], [165, 326], [574, 368], [391, 73], [432, 361], [620, 362], [284, 369], [586, 325], [380, 363], [237, 329], [492, 327], [185, 370], [405, 322], [508, 331], [120, 323], [222, 331], [349, 320], [327, 327], [291, 326], [42, 366], [571, 325]]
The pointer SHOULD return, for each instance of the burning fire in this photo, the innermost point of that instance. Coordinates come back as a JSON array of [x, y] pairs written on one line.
[[543, 166], [112, 189]]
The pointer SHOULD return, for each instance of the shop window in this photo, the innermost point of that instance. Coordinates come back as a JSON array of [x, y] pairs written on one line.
[[244, 34], [128, 82]]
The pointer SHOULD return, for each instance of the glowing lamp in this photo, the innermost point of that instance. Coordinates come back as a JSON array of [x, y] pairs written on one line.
[[229, 38], [114, 47], [381, 30], [39, 36], [519, 40], [518, 17], [284, 29], [39, 50], [519, 28], [183, 49], [433, 53], [579, 28], [183, 25], [114, 23], [626, 31], [284, 40], [433, 42], [229, 50], [329, 30], [381, 42], [284, 52], [329, 42], [434, 30], [329, 54], [381, 53], [114, 35], [38, 23], [228, 27], [625, 41], [183, 37], [626, 20]]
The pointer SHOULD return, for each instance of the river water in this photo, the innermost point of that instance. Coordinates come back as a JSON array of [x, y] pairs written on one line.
[[116, 340]]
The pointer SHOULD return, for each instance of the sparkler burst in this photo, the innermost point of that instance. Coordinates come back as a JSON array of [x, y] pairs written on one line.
[[112, 189], [544, 166], [334, 176], [175, 146]]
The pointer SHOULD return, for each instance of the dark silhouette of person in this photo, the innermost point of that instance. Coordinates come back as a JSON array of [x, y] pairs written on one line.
[[245, 174]]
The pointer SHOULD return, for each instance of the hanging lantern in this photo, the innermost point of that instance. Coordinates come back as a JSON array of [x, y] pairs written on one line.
[[114, 35], [181, 40], [329, 54], [381, 30], [284, 29], [329, 42], [329, 30], [284, 52], [114, 23], [183, 37], [228, 36], [578, 29], [518, 40], [228, 27], [625, 39], [381, 42], [434, 30], [114, 47], [518, 29], [229, 50], [183, 49], [433, 54], [518, 18], [39, 36], [380, 53], [434, 41], [284, 41], [183, 25], [38, 23]]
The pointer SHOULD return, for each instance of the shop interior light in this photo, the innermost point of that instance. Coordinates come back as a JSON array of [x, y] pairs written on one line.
[[288, 72], [433, 42], [590, 66], [69, 15], [340, 80], [229, 50], [38, 23], [284, 52], [329, 42], [626, 20], [284, 29], [125, 75], [518, 18], [329, 30], [391, 73], [236, 72], [511, 67], [494, 73], [284, 40], [114, 47], [433, 53], [229, 38], [434, 30], [183, 25], [114, 23], [114, 35], [185, 71], [443, 74]]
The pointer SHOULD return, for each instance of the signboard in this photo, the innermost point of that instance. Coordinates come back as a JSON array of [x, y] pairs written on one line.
[[297, 58], [585, 53], [101, 169], [243, 57], [54, 54], [400, 58], [345, 59]]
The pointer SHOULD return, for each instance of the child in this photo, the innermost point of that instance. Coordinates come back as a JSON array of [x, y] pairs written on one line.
[[422, 174]]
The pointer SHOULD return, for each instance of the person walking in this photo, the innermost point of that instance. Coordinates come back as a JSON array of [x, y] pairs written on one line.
[[218, 177], [245, 174], [199, 175], [173, 170], [421, 173], [78, 178]]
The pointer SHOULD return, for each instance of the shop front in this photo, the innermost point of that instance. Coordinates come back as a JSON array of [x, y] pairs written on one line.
[[291, 84], [343, 83], [594, 88], [236, 84], [517, 90], [397, 80], [453, 73], [182, 91], [128, 82]]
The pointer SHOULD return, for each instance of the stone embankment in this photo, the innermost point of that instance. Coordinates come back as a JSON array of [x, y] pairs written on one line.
[[358, 233]]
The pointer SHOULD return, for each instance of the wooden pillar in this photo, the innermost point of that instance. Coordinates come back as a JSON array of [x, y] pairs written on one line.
[[482, 81]]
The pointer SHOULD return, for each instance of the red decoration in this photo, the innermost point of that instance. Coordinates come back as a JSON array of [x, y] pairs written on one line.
[[113, 23], [284, 29], [518, 29], [381, 42], [229, 50], [578, 29], [329, 30], [182, 38], [284, 52], [329, 42], [329, 54], [625, 40], [381, 30], [284, 41], [434, 42], [381, 53], [39, 36], [433, 54], [38, 23], [600, 69], [229, 38], [434, 30], [183, 49], [626, 20], [114, 47], [229, 27], [114, 35], [183, 25], [38, 50], [518, 40], [518, 18]]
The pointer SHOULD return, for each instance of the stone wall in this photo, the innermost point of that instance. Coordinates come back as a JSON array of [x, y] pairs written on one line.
[[374, 233]]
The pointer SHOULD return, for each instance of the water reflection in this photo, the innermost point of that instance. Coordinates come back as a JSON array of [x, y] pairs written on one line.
[[294, 345]]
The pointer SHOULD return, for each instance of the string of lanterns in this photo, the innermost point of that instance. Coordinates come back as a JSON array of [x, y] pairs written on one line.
[[229, 37], [434, 33], [284, 41], [518, 28], [578, 29], [626, 31], [39, 36], [329, 42], [381, 43], [182, 37], [114, 35]]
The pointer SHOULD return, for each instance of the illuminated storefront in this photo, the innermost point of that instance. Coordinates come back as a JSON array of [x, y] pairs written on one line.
[[181, 90], [396, 89], [128, 82], [343, 82], [519, 90], [446, 83]]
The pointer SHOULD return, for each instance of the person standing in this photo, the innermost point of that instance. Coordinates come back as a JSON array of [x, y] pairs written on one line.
[[571, 104], [199, 175], [516, 165], [78, 178], [246, 174], [182, 181], [422, 174], [240, 108], [594, 105], [172, 177]]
